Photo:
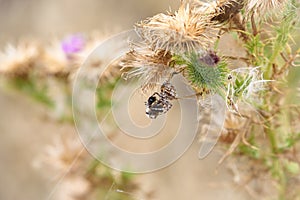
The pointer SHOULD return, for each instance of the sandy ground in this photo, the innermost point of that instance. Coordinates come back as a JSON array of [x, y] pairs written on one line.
[[25, 132]]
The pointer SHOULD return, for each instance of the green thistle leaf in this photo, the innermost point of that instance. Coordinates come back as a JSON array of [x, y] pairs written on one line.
[[37, 91]]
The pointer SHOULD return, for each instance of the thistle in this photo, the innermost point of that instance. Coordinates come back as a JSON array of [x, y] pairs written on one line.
[[73, 44], [54, 60], [184, 31], [152, 67], [19, 60], [264, 6], [220, 10], [59, 156], [205, 71]]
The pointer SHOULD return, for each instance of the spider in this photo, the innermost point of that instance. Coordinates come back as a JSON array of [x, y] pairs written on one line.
[[159, 103]]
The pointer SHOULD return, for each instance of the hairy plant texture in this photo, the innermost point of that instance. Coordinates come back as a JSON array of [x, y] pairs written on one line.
[[207, 71], [245, 85], [264, 6], [184, 31], [151, 67], [226, 9], [19, 60]]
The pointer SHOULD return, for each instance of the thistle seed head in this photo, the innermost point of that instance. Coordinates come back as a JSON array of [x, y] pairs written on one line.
[[264, 6], [187, 30], [151, 67], [19, 60]]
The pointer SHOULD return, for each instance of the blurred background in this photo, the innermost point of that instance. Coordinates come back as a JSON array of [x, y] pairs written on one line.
[[26, 131], [44, 19]]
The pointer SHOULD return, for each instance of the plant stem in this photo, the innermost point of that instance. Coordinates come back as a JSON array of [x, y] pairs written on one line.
[[272, 138]]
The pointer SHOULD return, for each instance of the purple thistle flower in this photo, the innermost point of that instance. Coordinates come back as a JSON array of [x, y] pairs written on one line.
[[210, 58], [73, 44]]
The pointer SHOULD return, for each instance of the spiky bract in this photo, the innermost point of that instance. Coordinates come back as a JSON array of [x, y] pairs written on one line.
[[207, 71], [152, 67], [184, 31]]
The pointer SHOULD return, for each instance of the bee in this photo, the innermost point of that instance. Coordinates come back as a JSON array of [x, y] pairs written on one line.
[[159, 103]]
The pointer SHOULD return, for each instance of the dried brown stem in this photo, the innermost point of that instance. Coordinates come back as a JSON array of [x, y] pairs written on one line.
[[236, 19], [285, 67], [246, 60], [254, 28], [236, 142]]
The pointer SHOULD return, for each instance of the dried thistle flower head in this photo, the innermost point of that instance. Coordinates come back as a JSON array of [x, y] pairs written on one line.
[[92, 71], [226, 9], [55, 60], [19, 60], [59, 156], [184, 31], [264, 6], [152, 67], [219, 10], [73, 188]]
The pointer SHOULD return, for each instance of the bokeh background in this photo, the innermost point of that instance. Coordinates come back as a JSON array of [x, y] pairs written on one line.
[[44, 19], [25, 130]]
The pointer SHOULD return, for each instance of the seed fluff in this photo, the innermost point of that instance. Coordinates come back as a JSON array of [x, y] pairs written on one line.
[[152, 67], [184, 31]]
